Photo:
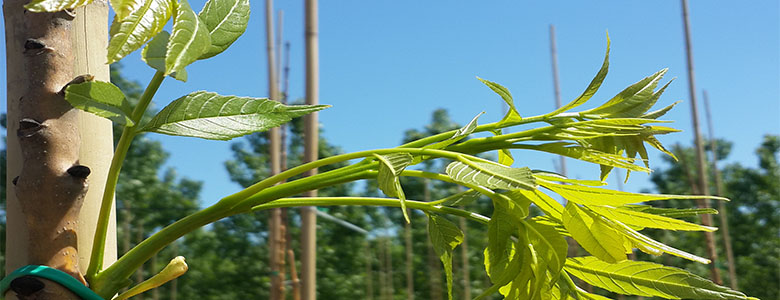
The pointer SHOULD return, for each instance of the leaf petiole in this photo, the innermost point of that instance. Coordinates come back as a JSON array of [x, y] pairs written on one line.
[[128, 133]]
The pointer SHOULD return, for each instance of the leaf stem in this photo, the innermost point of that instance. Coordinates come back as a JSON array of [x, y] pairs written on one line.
[[128, 133]]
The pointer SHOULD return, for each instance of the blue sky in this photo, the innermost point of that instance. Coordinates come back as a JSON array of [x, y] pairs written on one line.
[[386, 65]]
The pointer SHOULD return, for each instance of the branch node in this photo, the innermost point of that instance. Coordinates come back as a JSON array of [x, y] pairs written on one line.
[[79, 79], [16, 179], [26, 285], [28, 127], [34, 44], [79, 171]]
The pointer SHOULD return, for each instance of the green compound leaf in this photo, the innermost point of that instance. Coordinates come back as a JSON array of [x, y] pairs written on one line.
[[143, 20], [211, 116], [647, 279], [445, 236], [512, 115], [594, 86], [390, 167], [595, 196], [154, 55], [54, 5], [100, 98], [491, 175], [593, 234], [640, 219], [225, 20], [190, 39]]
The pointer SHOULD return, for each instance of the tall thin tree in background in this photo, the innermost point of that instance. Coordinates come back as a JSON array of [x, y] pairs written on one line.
[[276, 237], [311, 140], [706, 219], [409, 257], [722, 211]]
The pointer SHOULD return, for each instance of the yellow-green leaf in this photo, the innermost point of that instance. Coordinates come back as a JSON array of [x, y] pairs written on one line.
[[595, 196], [100, 98], [595, 236], [491, 175], [445, 236], [154, 55], [226, 20], [189, 40], [390, 167], [145, 18], [512, 115], [647, 279], [640, 219], [54, 5], [592, 87]]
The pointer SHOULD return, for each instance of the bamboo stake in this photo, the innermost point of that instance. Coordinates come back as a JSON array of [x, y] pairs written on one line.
[[311, 136], [276, 258], [296, 283], [706, 219], [556, 84], [722, 211]]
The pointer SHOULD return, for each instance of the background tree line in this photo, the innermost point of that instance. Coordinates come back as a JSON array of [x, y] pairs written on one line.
[[229, 259]]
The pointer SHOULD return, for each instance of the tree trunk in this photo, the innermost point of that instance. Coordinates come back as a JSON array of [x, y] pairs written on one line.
[[50, 206]]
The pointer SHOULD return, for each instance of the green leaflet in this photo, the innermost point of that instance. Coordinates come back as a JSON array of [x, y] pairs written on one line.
[[226, 20], [491, 175], [100, 98], [54, 5], [504, 155], [189, 40], [445, 236], [155, 52], [459, 135], [143, 20], [551, 249], [593, 234], [549, 176], [548, 205], [211, 116], [512, 115], [592, 87], [390, 167], [651, 246], [670, 212], [659, 113], [647, 279], [595, 196], [640, 219], [590, 155], [502, 259], [633, 101]]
